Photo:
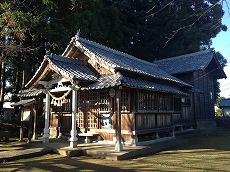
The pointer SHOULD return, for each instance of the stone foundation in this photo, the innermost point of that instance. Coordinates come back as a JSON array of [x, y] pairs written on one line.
[[206, 124]]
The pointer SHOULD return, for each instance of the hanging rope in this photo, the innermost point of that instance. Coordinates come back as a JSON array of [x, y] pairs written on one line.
[[59, 100]]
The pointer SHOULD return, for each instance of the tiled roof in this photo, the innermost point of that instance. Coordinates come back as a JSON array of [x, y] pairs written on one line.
[[186, 63], [73, 68], [225, 103], [107, 81], [138, 83], [29, 93], [121, 61]]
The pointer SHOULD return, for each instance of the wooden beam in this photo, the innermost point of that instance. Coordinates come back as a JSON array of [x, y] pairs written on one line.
[[41, 76], [35, 134]]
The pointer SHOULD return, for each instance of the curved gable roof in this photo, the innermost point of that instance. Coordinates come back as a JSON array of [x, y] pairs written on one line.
[[73, 68], [70, 68], [120, 61]]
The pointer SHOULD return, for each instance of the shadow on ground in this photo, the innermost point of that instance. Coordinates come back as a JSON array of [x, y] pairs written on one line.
[[56, 163]]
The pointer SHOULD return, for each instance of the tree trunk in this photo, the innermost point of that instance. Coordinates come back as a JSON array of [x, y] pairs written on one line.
[[27, 69], [18, 83], [2, 84]]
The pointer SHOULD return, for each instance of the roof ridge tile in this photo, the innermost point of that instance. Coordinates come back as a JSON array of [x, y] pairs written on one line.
[[113, 50], [184, 55], [65, 59]]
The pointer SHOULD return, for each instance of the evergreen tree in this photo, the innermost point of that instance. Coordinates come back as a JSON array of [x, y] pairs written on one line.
[[216, 83], [14, 26], [148, 29]]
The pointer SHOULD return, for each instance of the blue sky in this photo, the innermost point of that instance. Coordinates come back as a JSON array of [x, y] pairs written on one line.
[[222, 44]]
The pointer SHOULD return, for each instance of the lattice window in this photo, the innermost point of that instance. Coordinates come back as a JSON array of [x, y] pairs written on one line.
[[104, 101], [88, 107], [66, 105], [89, 99], [92, 120], [186, 101], [147, 100], [165, 101], [80, 120], [177, 103], [125, 101]]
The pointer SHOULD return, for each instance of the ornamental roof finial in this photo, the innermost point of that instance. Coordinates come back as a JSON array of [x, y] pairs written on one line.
[[48, 52], [78, 33], [76, 37]]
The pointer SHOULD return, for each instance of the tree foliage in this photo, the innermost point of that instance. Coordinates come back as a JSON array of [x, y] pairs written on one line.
[[148, 29], [15, 25], [216, 83]]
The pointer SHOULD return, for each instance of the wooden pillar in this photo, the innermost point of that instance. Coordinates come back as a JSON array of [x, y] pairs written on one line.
[[59, 125], [30, 124], [22, 126], [47, 116], [35, 134], [73, 133], [118, 145]]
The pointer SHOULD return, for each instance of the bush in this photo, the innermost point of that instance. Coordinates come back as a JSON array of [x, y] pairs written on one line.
[[223, 122], [219, 112]]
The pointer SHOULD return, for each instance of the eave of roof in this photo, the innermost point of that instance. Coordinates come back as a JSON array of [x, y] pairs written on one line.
[[37, 74], [26, 102], [30, 93], [225, 103], [109, 81]]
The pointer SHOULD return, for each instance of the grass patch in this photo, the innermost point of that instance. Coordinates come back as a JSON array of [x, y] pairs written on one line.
[[209, 152]]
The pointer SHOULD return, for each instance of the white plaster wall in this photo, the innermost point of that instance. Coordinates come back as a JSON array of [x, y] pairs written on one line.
[[226, 111]]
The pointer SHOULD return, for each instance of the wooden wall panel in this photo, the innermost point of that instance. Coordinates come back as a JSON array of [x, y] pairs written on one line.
[[145, 121], [164, 120], [127, 121]]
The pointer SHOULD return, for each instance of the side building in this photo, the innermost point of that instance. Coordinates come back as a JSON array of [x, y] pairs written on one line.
[[199, 69], [225, 106]]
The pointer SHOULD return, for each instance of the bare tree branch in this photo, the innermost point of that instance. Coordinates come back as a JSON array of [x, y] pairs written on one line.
[[227, 4], [17, 48], [153, 7], [192, 24], [160, 9]]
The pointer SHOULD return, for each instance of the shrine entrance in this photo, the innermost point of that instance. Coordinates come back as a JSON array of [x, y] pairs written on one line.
[[88, 115]]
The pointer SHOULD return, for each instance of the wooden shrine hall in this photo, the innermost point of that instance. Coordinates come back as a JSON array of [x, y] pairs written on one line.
[[93, 90]]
